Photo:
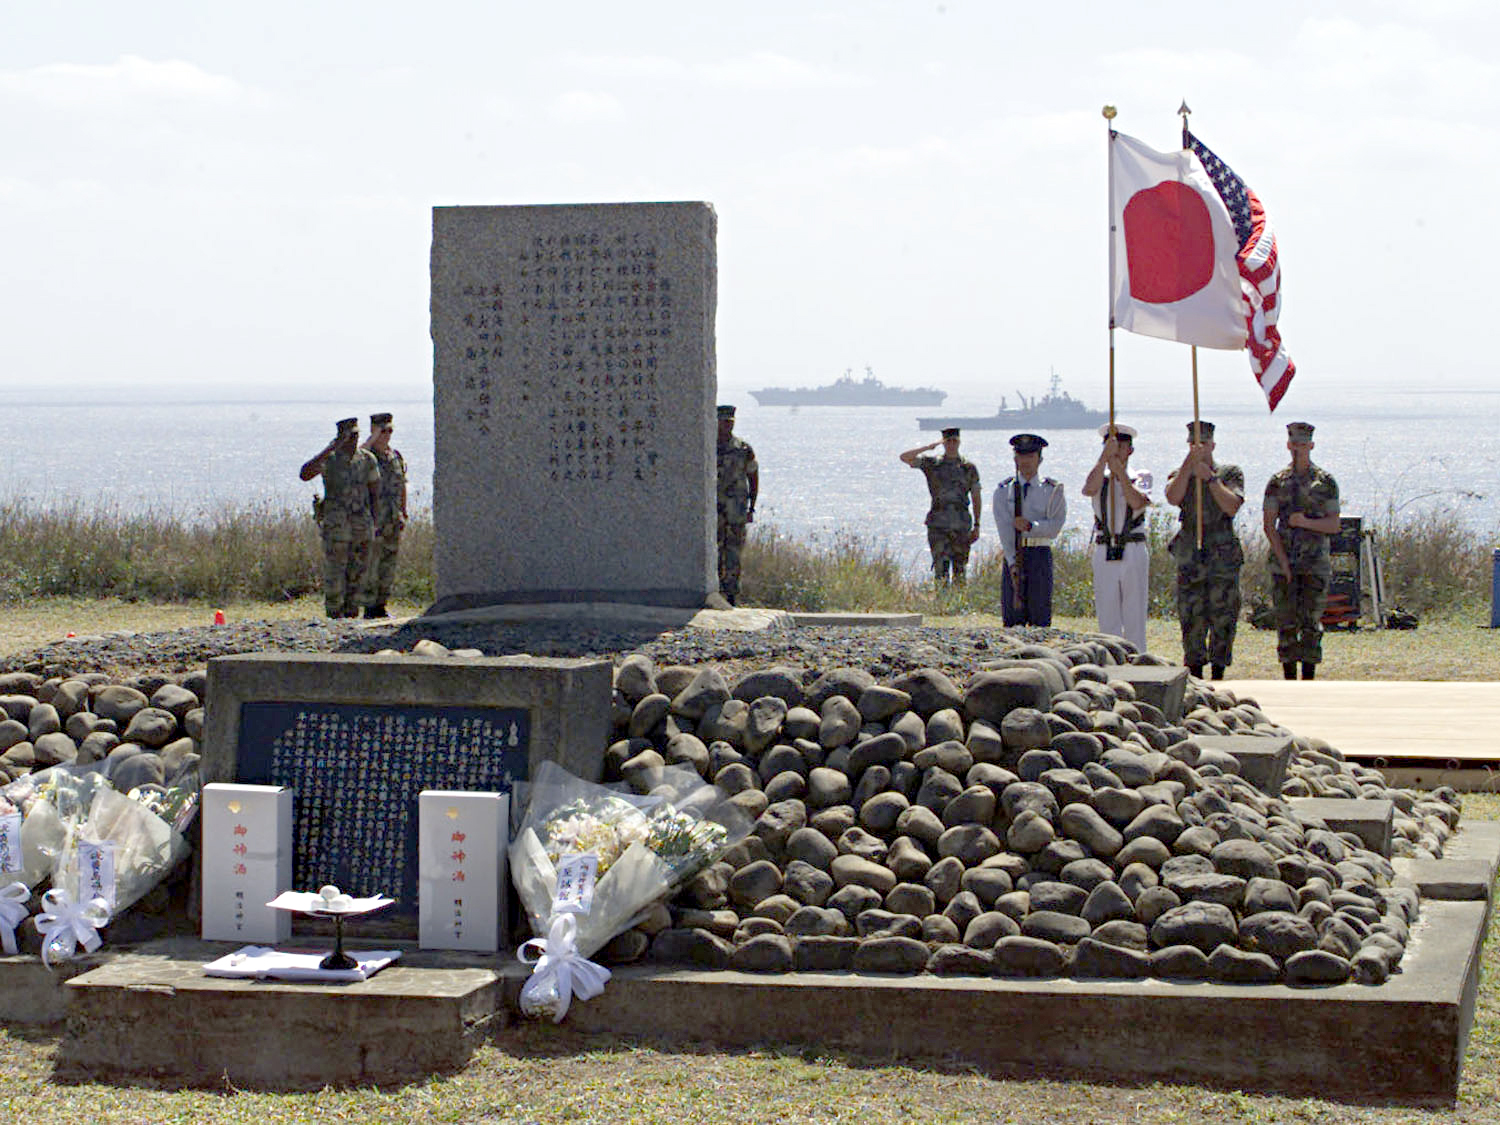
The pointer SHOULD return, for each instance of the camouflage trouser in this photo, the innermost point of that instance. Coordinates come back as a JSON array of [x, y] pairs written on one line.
[[1299, 616], [731, 543], [1208, 608], [344, 562], [380, 574], [950, 554]]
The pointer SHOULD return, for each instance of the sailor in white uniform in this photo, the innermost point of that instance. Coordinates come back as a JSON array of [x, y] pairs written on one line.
[[1029, 513], [1120, 559]]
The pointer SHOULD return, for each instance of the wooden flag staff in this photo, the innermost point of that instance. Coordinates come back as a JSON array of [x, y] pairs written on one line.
[[1183, 111], [1109, 118]]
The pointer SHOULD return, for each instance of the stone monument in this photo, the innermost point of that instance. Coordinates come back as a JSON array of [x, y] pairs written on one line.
[[573, 395]]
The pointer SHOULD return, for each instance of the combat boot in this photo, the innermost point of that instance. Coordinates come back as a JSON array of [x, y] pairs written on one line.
[[1195, 670], [1289, 670], [1218, 671], [373, 612], [1309, 669]]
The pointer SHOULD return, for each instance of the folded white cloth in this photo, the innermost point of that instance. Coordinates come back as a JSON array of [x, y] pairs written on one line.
[[262, 961]]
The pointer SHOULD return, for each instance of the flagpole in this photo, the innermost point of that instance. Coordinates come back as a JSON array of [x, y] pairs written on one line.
[[1109, 117], [1183, 111]]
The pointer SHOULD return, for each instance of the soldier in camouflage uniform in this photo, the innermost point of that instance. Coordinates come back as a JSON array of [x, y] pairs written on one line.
[[739, 484], [1301, 512], [953, 484], [390, 516], [351, 483], [1208, 578]]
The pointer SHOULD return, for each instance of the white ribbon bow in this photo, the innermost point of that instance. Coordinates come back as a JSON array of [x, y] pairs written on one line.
[[557, 959], [13, 900], [69, 924]]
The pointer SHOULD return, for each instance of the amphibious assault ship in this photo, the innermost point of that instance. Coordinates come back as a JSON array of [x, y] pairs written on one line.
[[849, 391]]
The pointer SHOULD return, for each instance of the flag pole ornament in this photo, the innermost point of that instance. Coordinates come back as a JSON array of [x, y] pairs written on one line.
[[65, 925], [13, 900]]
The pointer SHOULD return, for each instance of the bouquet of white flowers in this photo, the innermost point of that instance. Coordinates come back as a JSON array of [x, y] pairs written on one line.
[[588, 861], [87, 836]]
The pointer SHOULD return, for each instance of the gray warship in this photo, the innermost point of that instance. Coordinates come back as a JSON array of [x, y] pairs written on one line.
[[1055, 410], [849, 391]]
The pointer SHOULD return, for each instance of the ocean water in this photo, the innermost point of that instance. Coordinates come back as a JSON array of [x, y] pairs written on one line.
[[824, 471]]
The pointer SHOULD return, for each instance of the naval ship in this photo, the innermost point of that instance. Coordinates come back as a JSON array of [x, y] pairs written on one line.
[[849, 391], [1055, 410]]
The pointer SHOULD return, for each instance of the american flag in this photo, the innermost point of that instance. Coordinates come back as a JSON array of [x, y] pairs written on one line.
[[1260, 273]]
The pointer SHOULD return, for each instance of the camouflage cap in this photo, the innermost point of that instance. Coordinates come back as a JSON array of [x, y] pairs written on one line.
[[949, 431], [1206, 429], [1299, 431], [346, 424], [1028, 443], [380, 419], [726, 412], [1126, 432]]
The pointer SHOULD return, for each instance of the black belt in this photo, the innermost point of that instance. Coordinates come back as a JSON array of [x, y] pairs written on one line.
[[1108, 541]]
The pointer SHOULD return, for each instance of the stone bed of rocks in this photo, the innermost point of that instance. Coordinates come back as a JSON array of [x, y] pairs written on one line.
[[956, 801], [145, 731], [1040, 820]]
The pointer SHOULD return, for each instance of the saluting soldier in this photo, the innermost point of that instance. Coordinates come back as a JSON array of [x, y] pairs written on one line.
[[1121, 563], [1301, 512], [351, 483], [953, 484], [1029, 513], [390, 515], [739, 484], [1208, 578]]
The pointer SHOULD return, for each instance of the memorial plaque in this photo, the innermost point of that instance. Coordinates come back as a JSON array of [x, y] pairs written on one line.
[[357, 771], [359, 737], [573, 396]]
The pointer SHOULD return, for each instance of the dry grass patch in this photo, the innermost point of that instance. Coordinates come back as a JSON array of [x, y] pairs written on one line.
[[1453, 648], [39, 621]]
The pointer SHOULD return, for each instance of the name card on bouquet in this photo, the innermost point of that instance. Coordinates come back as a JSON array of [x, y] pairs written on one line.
[[10, 843], [247, 861], [95, 871], [462, 901]]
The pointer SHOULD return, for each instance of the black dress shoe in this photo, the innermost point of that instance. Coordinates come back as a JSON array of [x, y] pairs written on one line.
[[1308, 670], [1289, 671]]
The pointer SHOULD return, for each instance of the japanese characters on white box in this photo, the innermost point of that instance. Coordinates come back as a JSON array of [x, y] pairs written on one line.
[[247, 861], [462, 897]]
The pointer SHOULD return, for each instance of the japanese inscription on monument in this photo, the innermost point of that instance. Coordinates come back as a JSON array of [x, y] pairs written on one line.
[[573, 393], [357, 770]]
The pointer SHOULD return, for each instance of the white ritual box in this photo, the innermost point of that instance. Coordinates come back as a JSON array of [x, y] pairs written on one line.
[[462, 900], [247, 861]]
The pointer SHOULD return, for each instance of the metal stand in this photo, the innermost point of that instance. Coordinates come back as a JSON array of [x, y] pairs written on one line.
[[338, 959]]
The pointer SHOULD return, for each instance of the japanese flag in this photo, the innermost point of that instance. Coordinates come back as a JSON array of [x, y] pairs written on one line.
[[1174, 249]]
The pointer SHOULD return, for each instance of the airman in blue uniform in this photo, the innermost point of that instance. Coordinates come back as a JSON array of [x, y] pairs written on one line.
[[1030, 510]]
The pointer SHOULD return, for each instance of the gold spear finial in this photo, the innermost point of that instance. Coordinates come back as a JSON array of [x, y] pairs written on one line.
[[1109, 113]]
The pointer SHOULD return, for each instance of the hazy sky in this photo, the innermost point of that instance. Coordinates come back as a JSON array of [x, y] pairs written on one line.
[[205, 199]]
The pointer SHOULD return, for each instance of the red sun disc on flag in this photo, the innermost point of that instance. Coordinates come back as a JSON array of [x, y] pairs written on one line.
[[1169, 243]]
